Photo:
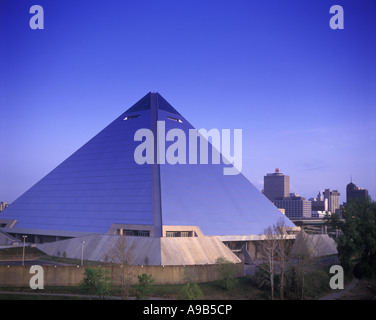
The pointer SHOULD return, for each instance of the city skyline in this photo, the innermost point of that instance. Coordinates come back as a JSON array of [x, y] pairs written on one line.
[[303, 94]]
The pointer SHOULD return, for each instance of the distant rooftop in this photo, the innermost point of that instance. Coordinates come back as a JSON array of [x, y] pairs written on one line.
[[277, 172]]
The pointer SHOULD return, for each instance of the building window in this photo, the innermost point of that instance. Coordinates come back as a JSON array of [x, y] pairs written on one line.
[[178, 234], [131, 117], [175, 119], [136, 233], [171, 234], [144, 233]]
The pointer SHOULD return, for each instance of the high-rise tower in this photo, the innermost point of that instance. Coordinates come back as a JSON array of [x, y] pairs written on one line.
[[333, 199], [353, 192], [276, 185]]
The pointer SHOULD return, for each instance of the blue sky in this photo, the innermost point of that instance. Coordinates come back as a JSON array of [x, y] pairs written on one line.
[[303, 94]]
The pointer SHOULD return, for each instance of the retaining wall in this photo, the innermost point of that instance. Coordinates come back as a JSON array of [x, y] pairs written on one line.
[[19, 276]]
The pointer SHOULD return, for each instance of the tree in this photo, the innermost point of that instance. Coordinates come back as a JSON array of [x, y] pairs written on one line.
[[262, 276], [96, 281], [121, 253], [227, 273], [143, 287], [269, 251], [275, 249], [191, 291], [305, 251], [302, 254], [358, 235], [283, 252]]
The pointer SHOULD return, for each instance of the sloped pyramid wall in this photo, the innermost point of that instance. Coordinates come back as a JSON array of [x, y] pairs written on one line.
[[200, 194], [101, 185]]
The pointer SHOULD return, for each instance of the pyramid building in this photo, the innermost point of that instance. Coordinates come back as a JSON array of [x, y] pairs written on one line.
[[100, 189]]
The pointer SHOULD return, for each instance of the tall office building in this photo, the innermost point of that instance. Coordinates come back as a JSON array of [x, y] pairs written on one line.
[[276, 185], [353, 192], [319, 203], [295, 206], [333, 200], [319, 206], [277, 190]]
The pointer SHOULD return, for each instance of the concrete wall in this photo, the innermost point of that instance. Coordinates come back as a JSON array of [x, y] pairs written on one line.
[[19, 276], [145, 250]]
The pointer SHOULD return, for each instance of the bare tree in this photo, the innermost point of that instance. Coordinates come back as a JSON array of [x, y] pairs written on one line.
[[283, 251], [275, 249], [301, 263], [121, 253], [269, 246]]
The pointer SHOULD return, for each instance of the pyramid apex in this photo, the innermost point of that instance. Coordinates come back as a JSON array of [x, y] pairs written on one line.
[[152, 99]]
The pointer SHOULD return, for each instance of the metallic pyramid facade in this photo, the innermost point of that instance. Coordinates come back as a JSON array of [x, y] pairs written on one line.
[[101, 184]]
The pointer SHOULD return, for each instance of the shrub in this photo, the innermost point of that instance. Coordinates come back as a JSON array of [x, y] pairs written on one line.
[[191, 291], [316, 283], [227, 273], [143, 287], [96, 281]]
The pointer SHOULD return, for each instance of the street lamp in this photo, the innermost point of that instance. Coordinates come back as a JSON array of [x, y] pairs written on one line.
[[23, 250], [82, 253]]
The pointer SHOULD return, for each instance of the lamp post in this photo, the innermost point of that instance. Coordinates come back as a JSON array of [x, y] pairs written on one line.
[[23, 250], [82, 253]]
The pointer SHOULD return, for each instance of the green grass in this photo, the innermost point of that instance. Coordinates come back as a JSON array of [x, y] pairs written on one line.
[[17, 252], [245, 290], [36, 254], [72, 261], [212, 290], [316, 283]]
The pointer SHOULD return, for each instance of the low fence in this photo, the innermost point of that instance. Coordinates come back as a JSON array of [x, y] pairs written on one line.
[[19, 276]]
